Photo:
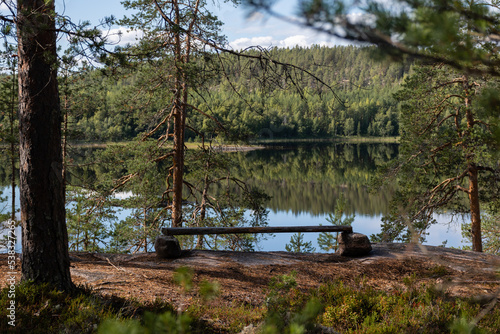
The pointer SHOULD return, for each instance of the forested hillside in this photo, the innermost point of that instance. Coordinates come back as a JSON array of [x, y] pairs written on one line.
[[342, 92]]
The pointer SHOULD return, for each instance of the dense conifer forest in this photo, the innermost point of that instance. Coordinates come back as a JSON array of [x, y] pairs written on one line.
[[343, 91]]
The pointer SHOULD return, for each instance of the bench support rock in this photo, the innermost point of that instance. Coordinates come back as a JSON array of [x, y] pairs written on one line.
[[353, 244], [167, 247], [350, 244]]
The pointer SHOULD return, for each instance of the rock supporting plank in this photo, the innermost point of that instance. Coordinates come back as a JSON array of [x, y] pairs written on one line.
[[353, 244], [167, 247], [350, 244]]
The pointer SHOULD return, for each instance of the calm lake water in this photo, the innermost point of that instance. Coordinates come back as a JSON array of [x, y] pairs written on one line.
[[304, 182]]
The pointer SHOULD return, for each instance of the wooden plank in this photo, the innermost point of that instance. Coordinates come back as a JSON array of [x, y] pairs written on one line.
[[263, 229]]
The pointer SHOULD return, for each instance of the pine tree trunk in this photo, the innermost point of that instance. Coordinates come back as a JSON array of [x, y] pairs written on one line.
[[179, 127], [13, 151], [475, 211], [178, 167], [203, 205], [45, 257]]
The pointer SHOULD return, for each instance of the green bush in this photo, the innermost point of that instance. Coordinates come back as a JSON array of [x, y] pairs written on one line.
[[413, 308]]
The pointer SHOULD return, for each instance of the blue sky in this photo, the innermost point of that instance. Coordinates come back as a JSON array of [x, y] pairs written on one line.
[[240, 31]]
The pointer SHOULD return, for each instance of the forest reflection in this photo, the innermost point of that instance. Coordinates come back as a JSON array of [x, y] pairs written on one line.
[[308, 178], [299, 178]]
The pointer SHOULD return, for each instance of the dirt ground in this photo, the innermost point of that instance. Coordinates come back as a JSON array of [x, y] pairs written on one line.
[[244, 277]]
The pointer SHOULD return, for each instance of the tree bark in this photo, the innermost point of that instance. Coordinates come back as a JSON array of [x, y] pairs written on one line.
[[475, 211], [203, 205], [179, 126], [45, 257], [13, 151], [178, 166]]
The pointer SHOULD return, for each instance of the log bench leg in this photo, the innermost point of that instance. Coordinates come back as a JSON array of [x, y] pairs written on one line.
[[350, 244], [167, 247], [353, 244]]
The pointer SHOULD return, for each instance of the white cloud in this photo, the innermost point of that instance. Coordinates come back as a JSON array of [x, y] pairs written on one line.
[[302, 40], [122, 36], [357, 18], [243, 43], [123, 194], [255, 16]]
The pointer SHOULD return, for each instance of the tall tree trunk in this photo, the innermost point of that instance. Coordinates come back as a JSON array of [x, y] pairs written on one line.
[[145, 231], [65, 138], [13, 151], [178, 166], [45, 257], [179, 127], [203, 206], [475, 211], [13, 179]]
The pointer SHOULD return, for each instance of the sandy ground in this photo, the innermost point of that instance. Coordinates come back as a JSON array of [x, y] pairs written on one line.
[[244, 277]]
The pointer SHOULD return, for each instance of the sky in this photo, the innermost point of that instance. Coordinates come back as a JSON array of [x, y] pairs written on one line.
[[240, 31]]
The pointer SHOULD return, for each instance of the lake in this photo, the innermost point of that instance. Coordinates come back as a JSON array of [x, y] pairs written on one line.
[[304, 181]]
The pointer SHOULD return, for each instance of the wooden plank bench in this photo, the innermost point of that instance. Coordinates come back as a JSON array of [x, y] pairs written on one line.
[[260, 229], [350, 244]]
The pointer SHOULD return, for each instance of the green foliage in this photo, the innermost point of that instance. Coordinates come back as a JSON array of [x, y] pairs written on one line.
[[346, 309], [306, 108], [289, 311], [298, 245], [9, 123], [133, 169], [490, 232], [455, 32], [328, 241], [300, 322], [209, 290], [88, 219], [41, 309], [183, 277], [281, 288], [230, 318], [414, 308], [411, 307], [167, 323], [4, 218], [108, 107], [443, 140], [363, 309]]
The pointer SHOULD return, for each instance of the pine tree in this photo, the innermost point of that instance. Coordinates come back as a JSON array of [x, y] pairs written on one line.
[[41, 186], [172, 34], [447, 149], [328, 241]]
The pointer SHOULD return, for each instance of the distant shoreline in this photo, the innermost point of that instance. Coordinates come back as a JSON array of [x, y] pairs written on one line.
[[352, 139], [189, 145], [252, 145]]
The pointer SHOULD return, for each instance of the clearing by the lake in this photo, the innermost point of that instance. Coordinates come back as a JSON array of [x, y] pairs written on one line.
[[244, 277]]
